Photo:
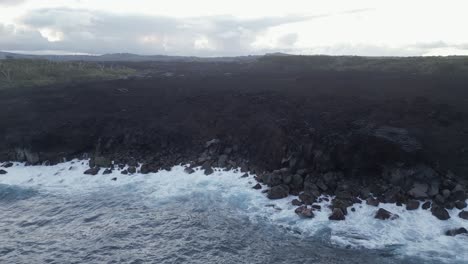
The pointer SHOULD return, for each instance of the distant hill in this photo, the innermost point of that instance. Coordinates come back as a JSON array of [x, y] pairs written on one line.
[[126, 57]]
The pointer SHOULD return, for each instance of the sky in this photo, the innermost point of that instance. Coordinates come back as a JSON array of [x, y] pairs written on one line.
[[233, 28]]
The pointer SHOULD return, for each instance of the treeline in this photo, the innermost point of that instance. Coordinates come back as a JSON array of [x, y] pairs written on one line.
[[29, 72]]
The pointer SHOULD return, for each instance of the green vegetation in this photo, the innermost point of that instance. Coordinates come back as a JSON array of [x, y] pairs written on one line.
[[28, 72], [416, 65]]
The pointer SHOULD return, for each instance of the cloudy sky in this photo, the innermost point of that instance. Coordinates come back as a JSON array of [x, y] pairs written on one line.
[[240, 27]]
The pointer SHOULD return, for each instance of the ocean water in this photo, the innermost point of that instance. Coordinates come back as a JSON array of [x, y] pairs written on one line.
[[56, 214]]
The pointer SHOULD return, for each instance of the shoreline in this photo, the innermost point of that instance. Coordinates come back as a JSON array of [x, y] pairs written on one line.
[[306, 201]]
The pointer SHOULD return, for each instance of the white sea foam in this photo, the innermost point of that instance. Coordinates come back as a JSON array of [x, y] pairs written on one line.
[[415, 233]]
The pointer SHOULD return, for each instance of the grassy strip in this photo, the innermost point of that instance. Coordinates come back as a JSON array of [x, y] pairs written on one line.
[[27, 72]]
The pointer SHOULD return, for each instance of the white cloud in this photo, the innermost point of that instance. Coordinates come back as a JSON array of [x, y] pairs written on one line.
[[209, 27]]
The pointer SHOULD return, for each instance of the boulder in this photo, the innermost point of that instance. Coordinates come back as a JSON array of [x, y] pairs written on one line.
[[342, 205], [383, 214], [3, 172], [392, 195], [419, 190], [456, 231], [412, 205], [459, 195], [278, 192], [460, 204], [316, 207], [297, 181], [440, 212], [131, 170], [7, 165], [189, 170], [296, 202], [463, 215], [426, 205], [208, 171], [372, 201], [257, 186], [148, 168], [114, 179], [101, 162], [304, 211], [107, 171], [245, 175], [92, 171], [337, 215], [439, 199], [306, 198], [125, 172], [446, 193], [222, 161]]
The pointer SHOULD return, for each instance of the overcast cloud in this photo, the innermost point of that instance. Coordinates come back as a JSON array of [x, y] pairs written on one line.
[[364, 29]]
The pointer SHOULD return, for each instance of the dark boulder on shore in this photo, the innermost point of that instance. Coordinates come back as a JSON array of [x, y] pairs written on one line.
[[278, 192], [7, 165], [372, 202], [208, 171], [456, 231], [463, 215], [426, 205], [3, 172], [131, 170], [257, 186], [337, 215], [412, 205], [440, 212], [92, 171], [383, 214], [189, 170], [460, 204], [100, 161], [304, 211]]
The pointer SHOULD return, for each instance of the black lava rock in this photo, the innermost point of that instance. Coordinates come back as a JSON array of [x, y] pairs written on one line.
[[460, 204], [92, 171], [131, 170], [278, 192], [296, 202], [257, 186], [426, 205], [372, 202], [457, 231], [7, 165], [304, 211], [337, 215], [463, 215], [3, 172], [440, 212], [383, 214], [189, 170], [208, 171], [412, 205]]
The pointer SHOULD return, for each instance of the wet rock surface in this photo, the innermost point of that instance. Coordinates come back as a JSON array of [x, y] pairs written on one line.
[[383, 214], [457, 231]]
